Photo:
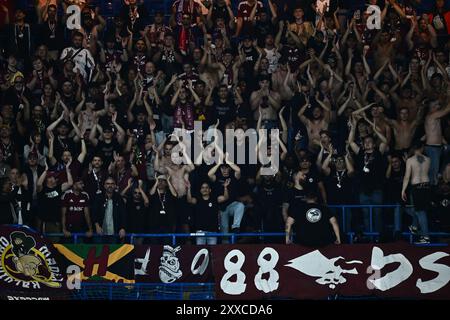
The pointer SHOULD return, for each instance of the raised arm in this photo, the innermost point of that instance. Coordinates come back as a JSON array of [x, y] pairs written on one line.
[[351, 136], [301, 112], [40, 181], [92, 135], [409, 36], [171, 187], [326, 164], [383, 139], [284, 127], [51, 143], [212, 172], [233, 166], [83, 152], [348, 162], [344, 105], [54, 124], [120, 132], [66, 185], [225, 196]]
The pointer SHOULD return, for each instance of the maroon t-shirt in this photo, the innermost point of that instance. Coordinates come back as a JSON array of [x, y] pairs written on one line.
[[75, 204], [75, 170]]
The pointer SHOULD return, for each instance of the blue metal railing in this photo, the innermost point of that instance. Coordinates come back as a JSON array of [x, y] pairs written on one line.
[[232, 236], [144, 291]]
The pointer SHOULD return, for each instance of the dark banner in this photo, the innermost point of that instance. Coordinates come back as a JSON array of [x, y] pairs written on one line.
[[30, 267], [98, 263], [167, 264], [280, 271]]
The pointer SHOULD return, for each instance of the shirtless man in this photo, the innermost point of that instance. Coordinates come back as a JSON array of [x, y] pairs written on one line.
[[404, 129], [433, 134], [320, 121], [384, 48], [409, 99], [378, 119], [268, 100], [417, 168], [179, 174], [283, 80]]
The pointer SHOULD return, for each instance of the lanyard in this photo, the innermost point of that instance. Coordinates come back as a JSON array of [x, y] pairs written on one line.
[[339, 177]]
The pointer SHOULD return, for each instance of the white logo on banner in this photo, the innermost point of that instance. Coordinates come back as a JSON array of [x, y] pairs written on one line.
[[169, 270], [142, 271], [315, 264]]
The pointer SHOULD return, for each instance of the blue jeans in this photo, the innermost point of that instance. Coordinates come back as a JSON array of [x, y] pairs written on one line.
[[374, 198], [235, 210], [434, 153], [398, 218], [419, 218]]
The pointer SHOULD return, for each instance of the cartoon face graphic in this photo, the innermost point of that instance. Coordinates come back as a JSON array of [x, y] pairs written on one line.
[[169, 270], [22, 261]]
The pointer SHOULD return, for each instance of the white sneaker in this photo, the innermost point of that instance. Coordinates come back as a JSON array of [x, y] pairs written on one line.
[[423, 240], [413, 230]]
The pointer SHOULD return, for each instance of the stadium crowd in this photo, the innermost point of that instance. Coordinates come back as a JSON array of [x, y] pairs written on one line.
[[87, 116]]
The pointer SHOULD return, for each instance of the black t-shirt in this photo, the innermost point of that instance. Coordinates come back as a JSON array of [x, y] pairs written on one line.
[[251, 56], [311, 183], [293, 56], [140, 130], [63, 144], [50, 204], [162, 212], [339, 187], [233, 188], [394, 187], [224, 111], [51, 35], [294, 197], [312, 224], [371, 170], [206, 214], [106, 150], [137, 217]]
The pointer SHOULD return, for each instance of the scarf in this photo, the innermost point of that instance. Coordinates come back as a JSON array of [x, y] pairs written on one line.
[[183, 41]]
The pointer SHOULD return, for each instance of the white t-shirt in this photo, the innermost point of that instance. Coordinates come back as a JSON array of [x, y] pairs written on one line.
[[82, 59]]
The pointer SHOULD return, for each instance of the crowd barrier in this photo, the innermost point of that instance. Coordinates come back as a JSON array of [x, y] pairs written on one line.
[[130, 238]]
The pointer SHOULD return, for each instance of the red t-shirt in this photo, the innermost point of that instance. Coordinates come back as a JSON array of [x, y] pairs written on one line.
[[245, 9], [75, 204]]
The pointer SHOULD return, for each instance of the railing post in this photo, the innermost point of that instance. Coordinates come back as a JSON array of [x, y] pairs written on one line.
[[75, 238], [174, 240], [232, 238], [110, 291], [344, 226], [131, 238], [371, 218]]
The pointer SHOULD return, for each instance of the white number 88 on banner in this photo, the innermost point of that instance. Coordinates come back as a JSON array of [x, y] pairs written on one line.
[[234, 268]]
